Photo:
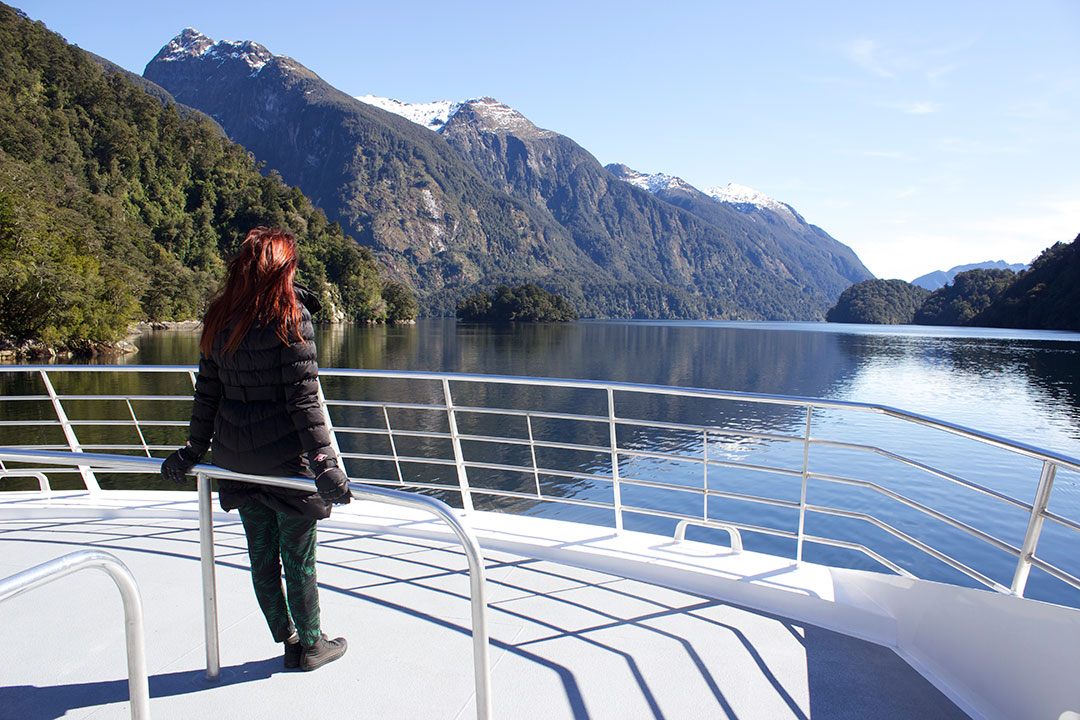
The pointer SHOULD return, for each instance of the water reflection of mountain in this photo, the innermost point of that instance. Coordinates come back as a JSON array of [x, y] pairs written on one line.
[[1050, 366], [723, 357]]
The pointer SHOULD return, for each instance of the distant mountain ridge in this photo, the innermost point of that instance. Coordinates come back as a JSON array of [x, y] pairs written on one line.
[[490, 198], [941, 278]]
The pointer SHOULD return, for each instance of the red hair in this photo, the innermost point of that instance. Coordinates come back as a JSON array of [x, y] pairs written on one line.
[[258, 289]]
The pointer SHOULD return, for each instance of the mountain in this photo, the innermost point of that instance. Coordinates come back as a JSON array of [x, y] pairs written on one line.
[[400, 189], [790, 246], [808, 252], [941, 278], [1046, 297], [622, 228], [489, 199]]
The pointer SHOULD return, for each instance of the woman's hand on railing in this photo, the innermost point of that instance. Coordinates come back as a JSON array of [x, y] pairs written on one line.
[[176, 466], [330, 481]]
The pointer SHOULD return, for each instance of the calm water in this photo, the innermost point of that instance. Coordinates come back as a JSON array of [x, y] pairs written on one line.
[[1024, 385]]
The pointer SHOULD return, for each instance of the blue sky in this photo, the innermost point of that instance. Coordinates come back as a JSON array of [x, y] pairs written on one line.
[[922, 134]]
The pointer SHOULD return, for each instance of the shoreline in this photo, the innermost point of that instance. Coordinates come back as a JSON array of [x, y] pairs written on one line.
[[13, 350]]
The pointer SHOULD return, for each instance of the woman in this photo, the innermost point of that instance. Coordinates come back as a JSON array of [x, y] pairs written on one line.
[[257, 397]]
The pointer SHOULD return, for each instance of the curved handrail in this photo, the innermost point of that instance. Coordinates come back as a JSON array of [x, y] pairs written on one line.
[[481, 658], [43, 481], [21, 582]]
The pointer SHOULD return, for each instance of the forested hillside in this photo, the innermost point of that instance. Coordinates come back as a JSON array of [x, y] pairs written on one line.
[[969, 294], [1045, 297], [115, 208]]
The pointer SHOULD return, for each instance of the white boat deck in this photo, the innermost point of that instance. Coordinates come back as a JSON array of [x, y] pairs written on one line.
[[566, 642]]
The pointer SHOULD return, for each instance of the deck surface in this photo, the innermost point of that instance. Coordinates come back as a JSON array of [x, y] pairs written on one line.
[[565, 642]]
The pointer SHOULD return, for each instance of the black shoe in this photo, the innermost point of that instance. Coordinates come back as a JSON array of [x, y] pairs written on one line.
[[293, 650], [322, 652]]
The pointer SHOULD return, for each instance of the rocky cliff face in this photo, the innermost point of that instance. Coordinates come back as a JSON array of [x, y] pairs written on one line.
[[635, 235]]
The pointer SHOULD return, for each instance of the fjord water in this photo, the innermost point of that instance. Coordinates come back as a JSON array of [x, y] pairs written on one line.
[[1022, 385]]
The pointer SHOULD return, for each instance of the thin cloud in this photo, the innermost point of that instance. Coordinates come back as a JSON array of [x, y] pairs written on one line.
[[931, 62], [922, 107], [887, 154], [934, 75], [866, 55], [964, 145]]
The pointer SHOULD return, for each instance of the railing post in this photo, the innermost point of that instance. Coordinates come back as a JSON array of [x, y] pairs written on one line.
[[209, 581], [330, 425], [705, 474], [142, 438], [1035, 523], [393, 445], [73, 442], [802, 494], [459, 456], [617, 490], [532, 451]]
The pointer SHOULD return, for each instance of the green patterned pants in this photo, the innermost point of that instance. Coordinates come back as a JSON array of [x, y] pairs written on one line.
[[276, 540]]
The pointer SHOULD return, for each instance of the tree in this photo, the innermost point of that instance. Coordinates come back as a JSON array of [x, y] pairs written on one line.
[[401, 304]]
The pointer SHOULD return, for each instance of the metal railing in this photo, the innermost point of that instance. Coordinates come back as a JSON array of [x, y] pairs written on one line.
[[424, 439], [473, 553], [21, 582]]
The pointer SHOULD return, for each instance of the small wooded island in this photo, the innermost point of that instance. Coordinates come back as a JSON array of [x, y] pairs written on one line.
[[524, 303]]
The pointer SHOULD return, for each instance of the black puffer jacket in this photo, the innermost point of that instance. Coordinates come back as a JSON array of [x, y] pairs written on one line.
[[260, 406]]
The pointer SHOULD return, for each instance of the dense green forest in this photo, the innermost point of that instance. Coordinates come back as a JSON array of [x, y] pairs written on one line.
[[114, 208], [524, 303], [880, 302], [1044, 297], [969, 294]]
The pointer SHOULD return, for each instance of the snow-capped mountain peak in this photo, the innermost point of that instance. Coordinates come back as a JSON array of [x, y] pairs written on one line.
[[654, 183], [432, 115], [735, 194], [491, 114], [191, 43], [501, 118]]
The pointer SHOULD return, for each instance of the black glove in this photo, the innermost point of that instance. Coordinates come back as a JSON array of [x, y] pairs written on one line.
[[175, 466], [330, 481]]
